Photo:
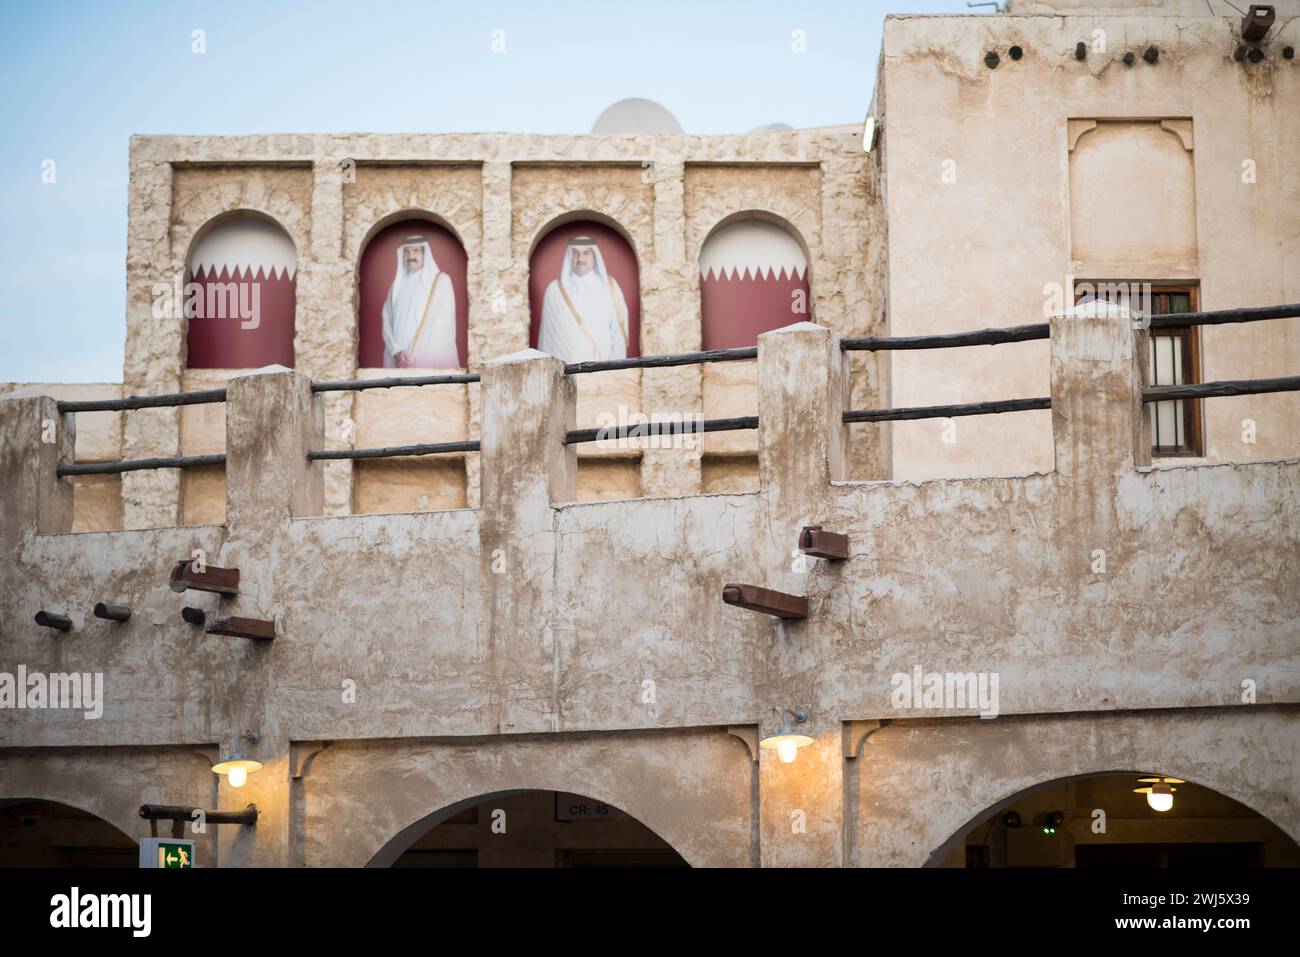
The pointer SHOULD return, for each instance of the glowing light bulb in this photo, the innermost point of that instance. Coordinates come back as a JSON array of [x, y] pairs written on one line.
[[787, 750], [1160, 797], [236, 769]]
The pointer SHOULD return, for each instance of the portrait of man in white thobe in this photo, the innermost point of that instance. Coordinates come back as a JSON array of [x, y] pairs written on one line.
[[584, 314], [419, 312]]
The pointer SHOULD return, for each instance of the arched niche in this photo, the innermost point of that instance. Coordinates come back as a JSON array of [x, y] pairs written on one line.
[[584, 323], [240, 294], [444, 328], [753, 278]]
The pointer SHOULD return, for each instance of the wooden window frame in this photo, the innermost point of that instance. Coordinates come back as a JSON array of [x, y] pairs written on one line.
[[1193, 430], [1193, 447]]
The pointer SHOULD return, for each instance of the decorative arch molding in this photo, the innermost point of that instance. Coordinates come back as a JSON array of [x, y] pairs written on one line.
[[206, 198], [786, 196], [1180, 128], [394, 849], [619, 195], [232, 215], [1247, 754], [959, 836], [400, 216], [717, 210], [123, 827], [653, 776]]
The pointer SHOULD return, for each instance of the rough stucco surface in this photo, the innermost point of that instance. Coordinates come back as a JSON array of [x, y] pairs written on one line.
[[657, 777], [530, 616], [533, 640], [978, 251], [499, 194], [983, 764]]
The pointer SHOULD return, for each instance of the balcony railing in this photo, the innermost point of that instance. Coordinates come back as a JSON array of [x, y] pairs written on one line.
[[982, 337]]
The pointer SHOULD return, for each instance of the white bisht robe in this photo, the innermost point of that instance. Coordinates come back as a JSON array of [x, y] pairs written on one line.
[[422, 304], [584, 317]]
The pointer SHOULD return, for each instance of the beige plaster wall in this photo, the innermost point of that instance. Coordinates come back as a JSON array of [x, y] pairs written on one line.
[[981, 766], [509, 643], [980, 210], [98, 498], [565, 622], [498, 194]]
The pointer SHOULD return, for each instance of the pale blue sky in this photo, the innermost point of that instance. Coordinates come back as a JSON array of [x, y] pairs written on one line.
[[78, 78]]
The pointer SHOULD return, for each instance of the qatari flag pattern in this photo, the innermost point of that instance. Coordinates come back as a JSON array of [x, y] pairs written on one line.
[[217, 343], [753, 278]]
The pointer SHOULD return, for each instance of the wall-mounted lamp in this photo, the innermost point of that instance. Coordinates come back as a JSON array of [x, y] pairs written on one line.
[[1159, 792], [236, 767], [786, 740]]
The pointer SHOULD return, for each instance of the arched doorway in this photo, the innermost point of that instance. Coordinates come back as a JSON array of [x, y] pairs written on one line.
[[240, 295], [528, 828], [1107, 820], [36, 833]]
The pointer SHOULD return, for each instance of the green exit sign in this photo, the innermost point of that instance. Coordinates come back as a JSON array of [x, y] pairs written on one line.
[[167, 854]]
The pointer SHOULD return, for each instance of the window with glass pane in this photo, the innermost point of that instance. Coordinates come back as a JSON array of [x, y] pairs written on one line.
[[1175, 424], [1174, 358]]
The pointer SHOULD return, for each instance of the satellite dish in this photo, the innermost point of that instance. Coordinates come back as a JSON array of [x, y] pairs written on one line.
[[636, 115], [772, 128]]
